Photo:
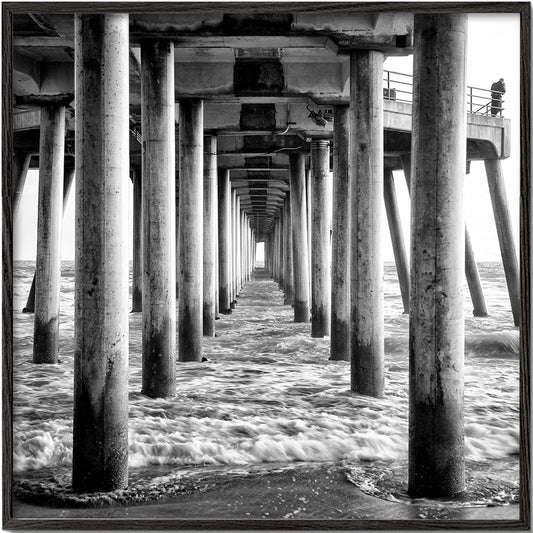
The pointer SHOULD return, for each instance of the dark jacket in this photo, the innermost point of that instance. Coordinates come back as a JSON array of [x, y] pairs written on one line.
[[497, 88]]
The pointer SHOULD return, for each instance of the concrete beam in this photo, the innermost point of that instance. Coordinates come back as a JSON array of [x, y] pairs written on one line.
[[41, 99], [260, 145], [488, 137]]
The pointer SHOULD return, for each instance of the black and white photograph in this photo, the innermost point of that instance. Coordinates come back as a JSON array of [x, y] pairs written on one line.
[[266, 265]]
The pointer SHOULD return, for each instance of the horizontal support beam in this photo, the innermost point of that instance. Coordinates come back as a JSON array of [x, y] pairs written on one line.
[[44, 99]]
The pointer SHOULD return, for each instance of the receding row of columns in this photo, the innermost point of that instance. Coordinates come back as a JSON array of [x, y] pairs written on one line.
[[340, 239], [441, 250], [101, 272]]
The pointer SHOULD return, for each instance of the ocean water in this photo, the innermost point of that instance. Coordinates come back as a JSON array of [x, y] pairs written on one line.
[[268, 393]]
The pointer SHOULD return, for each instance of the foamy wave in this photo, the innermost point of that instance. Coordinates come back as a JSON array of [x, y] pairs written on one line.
[[268, 394], [502, 344]]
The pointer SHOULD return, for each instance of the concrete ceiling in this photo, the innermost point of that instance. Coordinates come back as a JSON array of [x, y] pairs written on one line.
[[261, 77]]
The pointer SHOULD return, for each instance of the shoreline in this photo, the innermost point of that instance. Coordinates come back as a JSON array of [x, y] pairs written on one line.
[[322, 492]]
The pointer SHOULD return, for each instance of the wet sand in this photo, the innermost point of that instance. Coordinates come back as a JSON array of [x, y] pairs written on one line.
[[320, 493]]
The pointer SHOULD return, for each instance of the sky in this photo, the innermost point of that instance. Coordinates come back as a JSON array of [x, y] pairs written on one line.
[[492, 53]]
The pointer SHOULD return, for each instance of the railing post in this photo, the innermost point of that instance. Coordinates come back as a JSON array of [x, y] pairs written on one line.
[[470, 99]]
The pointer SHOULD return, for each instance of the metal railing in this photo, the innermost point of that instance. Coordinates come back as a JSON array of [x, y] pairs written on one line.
[[398, 86]]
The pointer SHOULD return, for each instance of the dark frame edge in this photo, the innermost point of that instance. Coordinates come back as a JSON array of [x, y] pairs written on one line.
[[525, 264], [276, 7], [252, 524], [7, 268], [9, 522]]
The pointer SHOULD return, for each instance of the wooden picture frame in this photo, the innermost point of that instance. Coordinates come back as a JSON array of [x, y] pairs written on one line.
[[10, 9]]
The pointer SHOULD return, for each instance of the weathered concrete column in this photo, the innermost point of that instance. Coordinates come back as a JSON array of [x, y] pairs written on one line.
[[278, 251], [396, 235], [320, 240], [243, 244], [268, 253], [273, 248], [209, 234], [281, 237], [100, 443], [158, 219], [48, 265], [309, 221], [250, 248], [473, 279], [137, 275], [366, 264], [288, 285], [67, 185], [217, 261], [340, 252], [224, 241], [254, 251], [505, 233], [191, 139], [300, 251], [436, 324], [176, 204], [20, 171], [238, 243], [244, 247], [233, 284]]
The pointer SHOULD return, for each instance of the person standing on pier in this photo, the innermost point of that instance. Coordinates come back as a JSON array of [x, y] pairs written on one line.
[[497, 91]]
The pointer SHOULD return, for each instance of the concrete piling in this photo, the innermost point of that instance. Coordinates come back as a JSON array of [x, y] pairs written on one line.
[[224, 241], [137, 275], [288, 286], [366, 264], [233, 254], [473, 279], [281, 250], [436, 325], [191, 172], [340, 244], [504, 229], [67, 185], [320, 240], [300, 251], [176, 205], [396, 235], [308, 204], [158, 219], [48, 264], [209, 235], [238, 237], [20, 171], [100, 440]]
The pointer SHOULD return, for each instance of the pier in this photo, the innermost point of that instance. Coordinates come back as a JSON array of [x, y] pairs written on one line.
[[238, 130]]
